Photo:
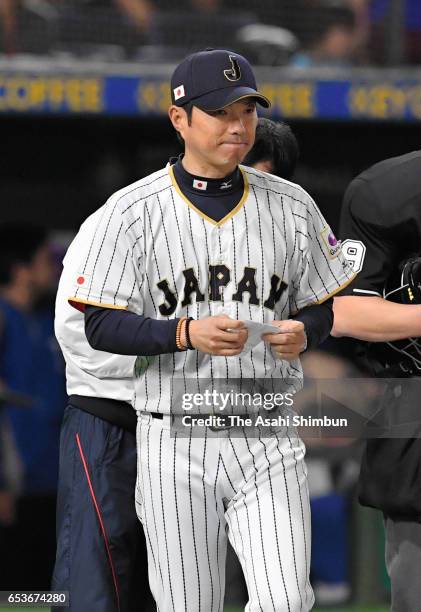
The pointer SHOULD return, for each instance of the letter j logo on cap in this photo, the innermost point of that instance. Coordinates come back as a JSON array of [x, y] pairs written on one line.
[[233, 73], [179, 92]]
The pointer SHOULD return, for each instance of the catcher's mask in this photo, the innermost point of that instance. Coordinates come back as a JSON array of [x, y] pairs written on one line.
[[405, 288]]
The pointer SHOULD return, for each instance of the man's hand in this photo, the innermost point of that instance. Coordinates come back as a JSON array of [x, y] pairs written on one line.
[[291, 342], [210, 335]]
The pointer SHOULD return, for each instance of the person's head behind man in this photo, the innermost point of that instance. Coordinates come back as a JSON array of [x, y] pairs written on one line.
[[214, 97], [25, 260], [275, 149]]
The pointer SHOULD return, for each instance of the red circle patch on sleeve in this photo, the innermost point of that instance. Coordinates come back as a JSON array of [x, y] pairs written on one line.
[[80, 280]]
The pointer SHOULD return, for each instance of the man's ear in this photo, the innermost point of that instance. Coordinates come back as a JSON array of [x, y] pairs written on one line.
[[178, 118]]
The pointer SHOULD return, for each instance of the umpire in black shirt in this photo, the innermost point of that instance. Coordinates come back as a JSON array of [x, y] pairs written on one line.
[[381, 228]]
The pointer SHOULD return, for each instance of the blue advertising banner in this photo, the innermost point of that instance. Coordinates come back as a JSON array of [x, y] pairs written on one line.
[[378, 97]]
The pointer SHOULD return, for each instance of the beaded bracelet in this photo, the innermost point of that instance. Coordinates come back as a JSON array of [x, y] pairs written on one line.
[[187, 332], [180, 346]]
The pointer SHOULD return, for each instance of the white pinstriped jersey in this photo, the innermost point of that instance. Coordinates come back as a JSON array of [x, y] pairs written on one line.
[[155, 254], [88, 372]]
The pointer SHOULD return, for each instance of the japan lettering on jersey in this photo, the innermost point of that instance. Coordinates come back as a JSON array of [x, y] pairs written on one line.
[[156, 254]]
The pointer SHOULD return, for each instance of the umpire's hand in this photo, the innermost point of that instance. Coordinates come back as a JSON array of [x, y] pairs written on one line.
[[210, 335], [291, 342]]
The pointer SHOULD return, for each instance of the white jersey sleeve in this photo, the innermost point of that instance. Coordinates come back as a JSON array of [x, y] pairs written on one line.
[[110, 273], [324, 270], [88, 372]]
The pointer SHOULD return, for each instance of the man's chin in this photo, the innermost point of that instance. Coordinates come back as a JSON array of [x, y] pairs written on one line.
[[233, 160]]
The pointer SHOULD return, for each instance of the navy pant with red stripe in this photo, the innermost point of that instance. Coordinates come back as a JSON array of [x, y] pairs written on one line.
[[101, 553]]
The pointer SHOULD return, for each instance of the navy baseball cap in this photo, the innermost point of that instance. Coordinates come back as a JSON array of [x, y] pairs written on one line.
[[214, 78]]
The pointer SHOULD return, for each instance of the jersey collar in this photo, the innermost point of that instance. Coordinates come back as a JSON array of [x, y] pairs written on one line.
[[191, 205], [206, 186]]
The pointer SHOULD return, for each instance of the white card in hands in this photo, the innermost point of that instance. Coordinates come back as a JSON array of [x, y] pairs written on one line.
[[255, 332]]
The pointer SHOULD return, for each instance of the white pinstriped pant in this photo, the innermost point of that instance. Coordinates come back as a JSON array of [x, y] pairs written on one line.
[[192, 493]]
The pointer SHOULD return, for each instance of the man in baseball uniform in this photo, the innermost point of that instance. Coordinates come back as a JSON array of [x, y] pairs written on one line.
[[179, 265], [101, 558]]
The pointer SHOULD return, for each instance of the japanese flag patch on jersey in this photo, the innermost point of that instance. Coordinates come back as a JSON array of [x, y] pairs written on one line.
[[201, 185], [82, 280], [332, 244]]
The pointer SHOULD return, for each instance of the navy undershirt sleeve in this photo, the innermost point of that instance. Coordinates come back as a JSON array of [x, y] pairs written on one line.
[[126, 333], [318, 321]]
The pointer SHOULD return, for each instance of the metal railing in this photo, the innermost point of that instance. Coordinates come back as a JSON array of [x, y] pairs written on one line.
[[273, 32]]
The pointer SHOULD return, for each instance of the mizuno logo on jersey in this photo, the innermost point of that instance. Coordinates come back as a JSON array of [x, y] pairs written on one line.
[[226, 184], [202, 185], [219, 277]]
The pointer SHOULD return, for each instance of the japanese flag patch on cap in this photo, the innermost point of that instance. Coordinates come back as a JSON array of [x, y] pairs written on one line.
[[202, 185], [179, 92]]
